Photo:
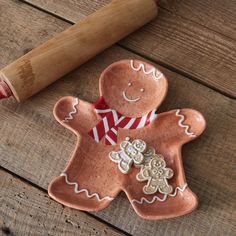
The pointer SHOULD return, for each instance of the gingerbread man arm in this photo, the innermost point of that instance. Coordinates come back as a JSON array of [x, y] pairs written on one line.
[[74, 114], [184, 125]]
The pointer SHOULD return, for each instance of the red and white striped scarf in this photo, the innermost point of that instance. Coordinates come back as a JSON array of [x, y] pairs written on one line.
[[112, 120]]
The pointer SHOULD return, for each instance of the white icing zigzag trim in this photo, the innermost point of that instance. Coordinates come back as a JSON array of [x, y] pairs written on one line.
[[152, 71], [77, 190], [181, 124], [74, 110], [156, 198]]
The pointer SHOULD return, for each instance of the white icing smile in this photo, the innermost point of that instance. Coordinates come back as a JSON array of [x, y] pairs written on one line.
[[130, 99]]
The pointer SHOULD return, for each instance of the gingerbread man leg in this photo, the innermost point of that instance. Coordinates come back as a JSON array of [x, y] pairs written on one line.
[[151, 186], [82, 185], [186, 125], [160, 206]]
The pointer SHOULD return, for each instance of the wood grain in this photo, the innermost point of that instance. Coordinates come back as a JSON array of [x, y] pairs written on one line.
[[35, 147], [76, 45], [25, 210], [217, 15], [194, 38]]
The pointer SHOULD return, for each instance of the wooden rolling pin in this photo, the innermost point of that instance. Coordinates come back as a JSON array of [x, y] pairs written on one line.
[[74, 46]]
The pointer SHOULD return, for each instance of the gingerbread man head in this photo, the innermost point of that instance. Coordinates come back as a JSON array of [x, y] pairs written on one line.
[[133, 88]]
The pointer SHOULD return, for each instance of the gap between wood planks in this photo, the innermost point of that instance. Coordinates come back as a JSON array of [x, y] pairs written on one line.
[[33, 185], [147, 56]]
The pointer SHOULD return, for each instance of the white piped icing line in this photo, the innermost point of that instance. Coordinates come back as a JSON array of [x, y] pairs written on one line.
[[156, 198], [152, 71], [74, 110], [129, 99], [77, 190], [181, 124]]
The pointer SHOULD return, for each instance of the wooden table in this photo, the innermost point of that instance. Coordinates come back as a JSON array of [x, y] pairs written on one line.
[[194, 43]]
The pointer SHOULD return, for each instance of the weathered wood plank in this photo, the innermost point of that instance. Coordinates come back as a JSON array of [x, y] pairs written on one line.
[[216, 15], [35, 147], [25, 210], [177, 38]]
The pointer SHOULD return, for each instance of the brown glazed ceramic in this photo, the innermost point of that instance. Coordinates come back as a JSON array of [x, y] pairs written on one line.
[[133, 89]]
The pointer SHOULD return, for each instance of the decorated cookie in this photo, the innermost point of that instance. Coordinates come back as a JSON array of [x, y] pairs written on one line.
[[156, 173], [130, 153], [147, 167]]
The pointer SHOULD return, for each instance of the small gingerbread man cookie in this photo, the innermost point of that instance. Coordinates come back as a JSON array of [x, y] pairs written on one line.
[[130, 153], [156, 173]]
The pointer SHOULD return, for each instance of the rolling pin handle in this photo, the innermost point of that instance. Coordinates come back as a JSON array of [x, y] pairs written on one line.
[[5, 91]]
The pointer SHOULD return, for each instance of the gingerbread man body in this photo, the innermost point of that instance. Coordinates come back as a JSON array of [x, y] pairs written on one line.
[[131, 92]]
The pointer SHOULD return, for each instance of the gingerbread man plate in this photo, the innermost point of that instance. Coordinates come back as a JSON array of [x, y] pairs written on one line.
[[123, 144]]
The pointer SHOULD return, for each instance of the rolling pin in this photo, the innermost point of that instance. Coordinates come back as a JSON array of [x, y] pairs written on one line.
[[66, 51]]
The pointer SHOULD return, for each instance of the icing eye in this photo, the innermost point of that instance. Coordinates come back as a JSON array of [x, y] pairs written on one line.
[[142, 90], [129, 84]]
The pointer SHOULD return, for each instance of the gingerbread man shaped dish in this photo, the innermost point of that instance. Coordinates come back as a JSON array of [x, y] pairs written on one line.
[[124, 145]]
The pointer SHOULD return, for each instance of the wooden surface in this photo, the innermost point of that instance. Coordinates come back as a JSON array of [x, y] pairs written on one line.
[[35, 148], [26, 210], [194, 38], [39, 68]]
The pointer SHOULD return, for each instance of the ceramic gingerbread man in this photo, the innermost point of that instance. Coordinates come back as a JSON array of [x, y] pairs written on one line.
[[156, 175], [130, 92]]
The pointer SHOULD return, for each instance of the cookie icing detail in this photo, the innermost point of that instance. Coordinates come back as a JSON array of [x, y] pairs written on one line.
[[77, 190], [156, 198], [129, 99], [155, 73], [74, 111], [181, 124]]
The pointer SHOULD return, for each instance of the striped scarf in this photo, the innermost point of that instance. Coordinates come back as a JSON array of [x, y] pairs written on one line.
[[112, 120]]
